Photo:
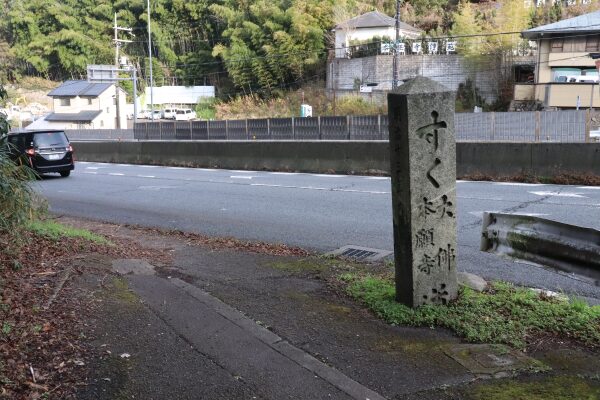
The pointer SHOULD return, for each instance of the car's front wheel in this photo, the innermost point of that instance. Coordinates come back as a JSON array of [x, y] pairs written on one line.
[[64, 174]]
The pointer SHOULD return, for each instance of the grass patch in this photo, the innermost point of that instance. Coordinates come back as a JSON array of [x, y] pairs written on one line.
[[556, 388], [56, 231], [505, 314], [308, 265]]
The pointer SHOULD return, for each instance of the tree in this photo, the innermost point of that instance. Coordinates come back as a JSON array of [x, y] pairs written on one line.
[[54, 37], [272, 44], [512, 16], [465, 25]]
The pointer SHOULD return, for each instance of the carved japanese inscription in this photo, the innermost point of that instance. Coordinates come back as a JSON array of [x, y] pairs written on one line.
[[423, 160]]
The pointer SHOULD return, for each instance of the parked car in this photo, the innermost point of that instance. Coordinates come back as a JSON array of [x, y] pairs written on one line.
[[144, 114], [577, 79], [185, 114], [169, 113], [156, 115], [44, 150]]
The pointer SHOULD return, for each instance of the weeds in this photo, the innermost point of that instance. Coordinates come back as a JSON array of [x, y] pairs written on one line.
[[505, 314], [17, 198], [559, 179], [55, 231], [287, 104]]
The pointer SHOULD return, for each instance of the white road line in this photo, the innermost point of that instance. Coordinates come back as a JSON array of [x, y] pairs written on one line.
[[116, 174], [378, 178], [242, 172], [329, 176], [207, 169], [176, 168], [589, 187], [241, 177], [284, 173], [90, 172], [320, 188], [559, 194], [124, 165], [82, 162], [518, 184], [480, 213], [148, 166], [146, 176], [94, 167]]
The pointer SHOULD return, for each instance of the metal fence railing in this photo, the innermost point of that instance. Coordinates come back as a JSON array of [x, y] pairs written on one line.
[[372, 127], [533, 126], [100, 134], [526, 126]]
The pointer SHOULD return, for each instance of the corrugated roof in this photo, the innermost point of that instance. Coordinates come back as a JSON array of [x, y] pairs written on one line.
[[583, 23], [81, 116], [79, 88], [179, 94], [374, 19]]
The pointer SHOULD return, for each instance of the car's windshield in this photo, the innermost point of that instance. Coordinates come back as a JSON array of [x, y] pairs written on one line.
[[49, 139], [180, 112]]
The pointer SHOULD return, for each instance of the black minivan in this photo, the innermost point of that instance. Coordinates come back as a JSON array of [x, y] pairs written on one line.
[[44, 150]]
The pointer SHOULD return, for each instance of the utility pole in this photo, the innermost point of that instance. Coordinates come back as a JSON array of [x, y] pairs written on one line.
[[150, 56], [118, 42], [395, 61]]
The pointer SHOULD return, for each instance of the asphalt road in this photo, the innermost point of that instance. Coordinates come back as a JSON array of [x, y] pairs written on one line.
[[318, 212]]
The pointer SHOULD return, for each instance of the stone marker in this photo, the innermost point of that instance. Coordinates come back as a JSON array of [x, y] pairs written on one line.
[[423, 169]]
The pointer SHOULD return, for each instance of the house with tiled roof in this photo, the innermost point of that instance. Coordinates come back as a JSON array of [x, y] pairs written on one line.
[[367, 26], [80, 104], [565, 74]]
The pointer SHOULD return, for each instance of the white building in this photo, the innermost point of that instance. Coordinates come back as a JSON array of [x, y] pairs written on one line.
[[177, 96], [367, 26], [84, 105]]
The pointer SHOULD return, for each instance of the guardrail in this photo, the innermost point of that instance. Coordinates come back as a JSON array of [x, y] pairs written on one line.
[[562, 246]]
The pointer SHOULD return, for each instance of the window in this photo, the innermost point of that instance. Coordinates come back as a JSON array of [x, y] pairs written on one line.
[[102, 123], [89, 101], [108, 110], [557, 45], [65, 102], [592, 43]]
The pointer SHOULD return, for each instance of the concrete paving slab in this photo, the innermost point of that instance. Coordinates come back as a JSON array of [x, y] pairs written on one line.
[[275, 374], [133, 266], [490, 359]]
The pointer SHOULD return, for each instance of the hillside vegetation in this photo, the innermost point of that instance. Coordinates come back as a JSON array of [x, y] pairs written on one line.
[[259, 51]]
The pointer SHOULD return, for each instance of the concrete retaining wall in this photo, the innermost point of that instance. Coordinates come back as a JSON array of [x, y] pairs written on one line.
[[314, 156], [490, 159]]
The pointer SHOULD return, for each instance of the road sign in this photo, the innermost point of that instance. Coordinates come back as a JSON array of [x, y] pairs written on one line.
[[102, 73]]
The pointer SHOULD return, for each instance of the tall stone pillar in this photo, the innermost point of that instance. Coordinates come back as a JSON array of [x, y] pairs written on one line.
[[423, 169]]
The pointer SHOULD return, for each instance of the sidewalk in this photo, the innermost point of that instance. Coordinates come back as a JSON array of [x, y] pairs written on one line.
[[227, 324]]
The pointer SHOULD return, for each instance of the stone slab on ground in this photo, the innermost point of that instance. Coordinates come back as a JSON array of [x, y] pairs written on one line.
[[133, 266], [472, 281], [490, 359]]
